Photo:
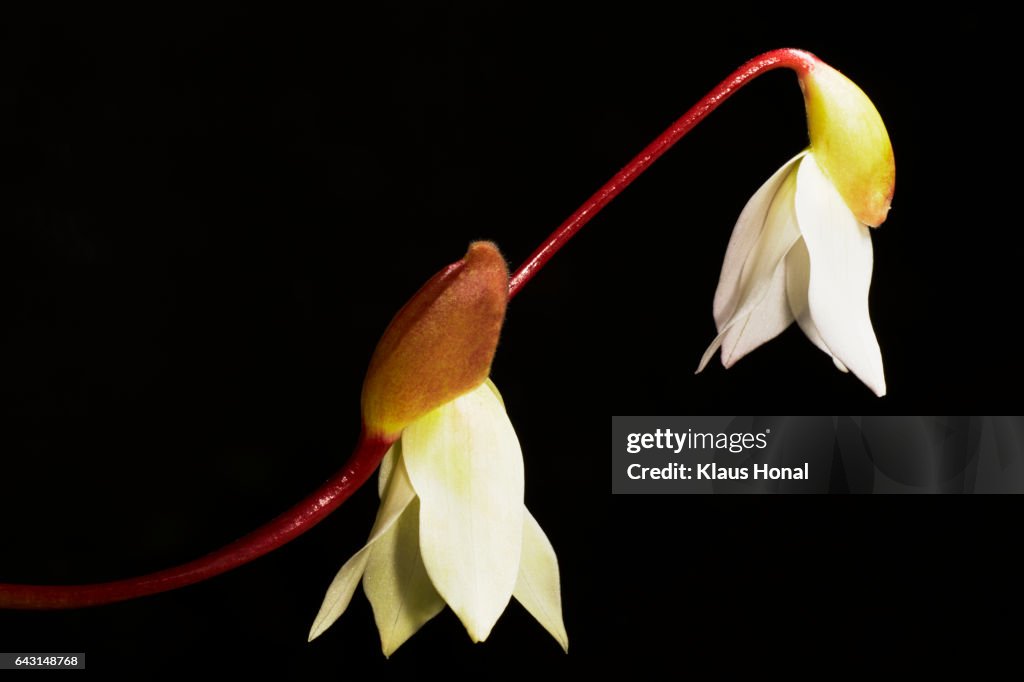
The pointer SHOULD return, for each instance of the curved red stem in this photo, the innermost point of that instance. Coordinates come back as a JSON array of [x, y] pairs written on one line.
[[798, 60], [368, 453], [283, 529]]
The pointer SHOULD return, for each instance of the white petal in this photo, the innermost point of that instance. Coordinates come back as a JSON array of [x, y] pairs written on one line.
[[387, 464], [769, 319], [466, 467], [798, 280], [397, 583], [537, 587], [339, 594], [757, 277], [744, 235], [841, 259]]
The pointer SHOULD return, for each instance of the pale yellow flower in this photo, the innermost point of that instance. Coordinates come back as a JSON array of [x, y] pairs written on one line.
[[452, 529]]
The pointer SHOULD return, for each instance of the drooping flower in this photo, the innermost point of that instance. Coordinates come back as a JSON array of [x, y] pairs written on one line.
[[452, 527], [801, 249]]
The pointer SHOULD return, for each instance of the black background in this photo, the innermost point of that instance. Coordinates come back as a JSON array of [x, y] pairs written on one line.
[[206, 221]]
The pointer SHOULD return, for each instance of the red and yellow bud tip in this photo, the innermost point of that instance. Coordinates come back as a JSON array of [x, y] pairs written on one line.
[[849, 141], [439, 345]]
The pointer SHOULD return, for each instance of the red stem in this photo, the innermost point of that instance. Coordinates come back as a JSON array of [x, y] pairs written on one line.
[[798, 60], [328, 497], [283, 529]]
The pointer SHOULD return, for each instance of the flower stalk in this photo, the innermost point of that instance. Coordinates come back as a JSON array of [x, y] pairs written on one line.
[[300, 519], [452, 322], [377, 437], [799, 61]]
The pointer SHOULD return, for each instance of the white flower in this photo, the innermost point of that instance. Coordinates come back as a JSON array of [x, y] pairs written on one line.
[[452, 529], [799, 253]]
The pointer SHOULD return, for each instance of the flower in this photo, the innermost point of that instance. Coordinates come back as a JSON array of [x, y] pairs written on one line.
[[801, 249], [452, 527]]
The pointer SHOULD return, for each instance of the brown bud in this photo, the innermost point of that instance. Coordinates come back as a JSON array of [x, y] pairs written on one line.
[[440, 344]]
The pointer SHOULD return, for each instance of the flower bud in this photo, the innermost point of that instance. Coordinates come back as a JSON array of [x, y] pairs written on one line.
[[440, 344], [849, 141]]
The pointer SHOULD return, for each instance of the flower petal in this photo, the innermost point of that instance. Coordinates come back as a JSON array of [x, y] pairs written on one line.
[[387, 465], [841, 259], [537, 587], [769, 319], [756, 277], [397, 583], [744, 236], [465, 464], [494, 389], [339, 594], [798, 279]]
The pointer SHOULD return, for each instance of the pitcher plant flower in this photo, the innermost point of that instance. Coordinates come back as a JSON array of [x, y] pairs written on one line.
[[452, 527], [801, 249]]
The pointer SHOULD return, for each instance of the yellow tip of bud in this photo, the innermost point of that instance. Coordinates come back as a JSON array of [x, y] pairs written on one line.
[[440, 344], [849, 142]]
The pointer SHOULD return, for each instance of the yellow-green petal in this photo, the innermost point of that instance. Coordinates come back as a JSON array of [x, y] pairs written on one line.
[[387, 466], [538, 587], [397, 584], [399, 495], [466, 467], [494, 389]]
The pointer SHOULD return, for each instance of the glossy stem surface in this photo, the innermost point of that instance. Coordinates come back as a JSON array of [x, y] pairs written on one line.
[[797, 60], [313, 509]]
